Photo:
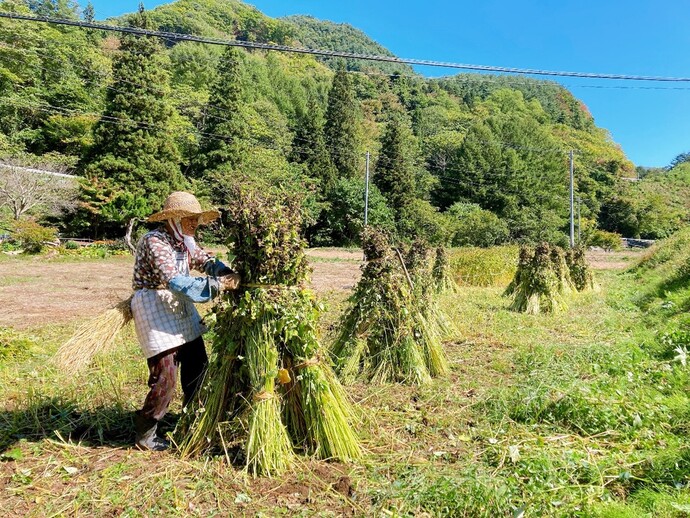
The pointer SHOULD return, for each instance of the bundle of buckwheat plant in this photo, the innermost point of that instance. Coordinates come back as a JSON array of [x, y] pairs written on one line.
[[383, 337], [268, 377]]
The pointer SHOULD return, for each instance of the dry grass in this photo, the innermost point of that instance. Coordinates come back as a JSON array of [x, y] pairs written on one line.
[[93, 337]]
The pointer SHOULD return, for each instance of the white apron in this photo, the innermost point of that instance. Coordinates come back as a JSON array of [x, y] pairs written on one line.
[[164, 320]]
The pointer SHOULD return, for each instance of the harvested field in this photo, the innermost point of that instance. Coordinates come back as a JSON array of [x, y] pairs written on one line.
[[41, 290]]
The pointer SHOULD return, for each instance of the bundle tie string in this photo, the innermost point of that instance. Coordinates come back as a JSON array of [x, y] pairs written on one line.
[[271, 286], [263, 396], [314, 360]]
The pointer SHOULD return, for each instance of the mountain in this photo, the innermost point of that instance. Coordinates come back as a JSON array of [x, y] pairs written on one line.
[[322, 34], [499, 143]]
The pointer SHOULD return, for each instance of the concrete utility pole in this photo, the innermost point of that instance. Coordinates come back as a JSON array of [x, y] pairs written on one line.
[[572, 201], [366, 194], [579, 221]]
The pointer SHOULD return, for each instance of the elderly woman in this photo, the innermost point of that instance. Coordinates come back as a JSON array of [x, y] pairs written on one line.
[[167, 323]]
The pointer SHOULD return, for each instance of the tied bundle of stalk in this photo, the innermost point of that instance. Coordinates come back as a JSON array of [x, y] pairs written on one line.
[[536, 287], [443, 280], [92, 337], [561, 270], [434, 324], [383, 336], [580, 273], [268, 387]]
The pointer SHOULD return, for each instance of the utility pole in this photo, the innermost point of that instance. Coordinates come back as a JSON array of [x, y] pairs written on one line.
[[572, 201], [366, 197], [579, 221], [366, 194]]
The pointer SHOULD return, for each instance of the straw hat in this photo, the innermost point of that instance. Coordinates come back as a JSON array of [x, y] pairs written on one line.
[[182, 205]]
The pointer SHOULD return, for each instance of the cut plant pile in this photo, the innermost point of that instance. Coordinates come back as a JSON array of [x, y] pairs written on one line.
[[543, 279], [580, 273], [269, 389], [443, 279], [392, 331], [93, 337]]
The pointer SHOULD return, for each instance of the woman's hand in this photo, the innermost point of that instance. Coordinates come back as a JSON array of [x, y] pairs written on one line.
[[229, 282]]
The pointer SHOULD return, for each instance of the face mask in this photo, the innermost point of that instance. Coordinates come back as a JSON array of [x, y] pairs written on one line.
[[188, 241]]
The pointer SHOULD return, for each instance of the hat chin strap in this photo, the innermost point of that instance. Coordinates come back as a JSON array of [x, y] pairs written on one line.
[[189, 241]]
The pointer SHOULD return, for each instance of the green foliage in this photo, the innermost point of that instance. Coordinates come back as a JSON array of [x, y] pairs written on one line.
[[342, 221], [606, 240], [474, 226], [496, 164], [32, 236], [310, 149], [226, 95], [322, 34], [283, 119], [397, 164], [420, 218], [341, 129]]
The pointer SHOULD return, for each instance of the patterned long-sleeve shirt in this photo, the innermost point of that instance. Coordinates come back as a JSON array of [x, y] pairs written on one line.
[[158, 260], [163, 302]]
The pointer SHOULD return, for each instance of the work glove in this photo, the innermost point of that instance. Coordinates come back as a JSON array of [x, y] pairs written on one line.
[[229, 282], [216, 268]]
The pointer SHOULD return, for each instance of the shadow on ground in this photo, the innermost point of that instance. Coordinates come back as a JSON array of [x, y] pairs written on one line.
[[58, 419]]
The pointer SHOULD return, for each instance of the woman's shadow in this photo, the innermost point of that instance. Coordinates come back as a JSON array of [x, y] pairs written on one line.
[[60, 419]]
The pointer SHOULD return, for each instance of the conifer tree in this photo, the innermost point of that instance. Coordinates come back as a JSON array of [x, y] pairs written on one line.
[[396, 165], [310, 148], [341, 131], [134, 148], [225, 144], [89, 13]]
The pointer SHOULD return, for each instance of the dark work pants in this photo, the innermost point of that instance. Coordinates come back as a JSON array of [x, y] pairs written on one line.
[[192, 360]]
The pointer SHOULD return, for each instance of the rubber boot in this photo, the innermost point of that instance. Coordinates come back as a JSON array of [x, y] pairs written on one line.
[[146, 438]]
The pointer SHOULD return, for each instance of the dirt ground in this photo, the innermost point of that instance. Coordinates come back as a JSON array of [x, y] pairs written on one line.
[[39, 291], [618, 260], [42, 291]]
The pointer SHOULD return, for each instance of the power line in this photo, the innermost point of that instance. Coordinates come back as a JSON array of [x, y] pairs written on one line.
[[333, 53]]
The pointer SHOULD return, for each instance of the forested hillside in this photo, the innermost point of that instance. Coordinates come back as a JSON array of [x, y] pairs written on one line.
[[469, 159]]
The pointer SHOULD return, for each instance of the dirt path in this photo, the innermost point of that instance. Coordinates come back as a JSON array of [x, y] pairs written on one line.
[[40, 291]]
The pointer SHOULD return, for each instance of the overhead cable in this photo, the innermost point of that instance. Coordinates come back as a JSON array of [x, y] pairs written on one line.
[[335, 53]]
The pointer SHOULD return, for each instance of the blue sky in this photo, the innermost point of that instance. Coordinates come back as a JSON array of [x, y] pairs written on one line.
[[632, 37]]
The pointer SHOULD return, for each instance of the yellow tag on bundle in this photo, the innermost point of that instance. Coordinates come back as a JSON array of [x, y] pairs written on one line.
[[284, 376]]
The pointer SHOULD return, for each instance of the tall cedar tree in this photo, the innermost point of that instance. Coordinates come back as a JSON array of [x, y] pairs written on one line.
[[134, 149], [341, 130], [223, 149], [310, 148], [395, 168]]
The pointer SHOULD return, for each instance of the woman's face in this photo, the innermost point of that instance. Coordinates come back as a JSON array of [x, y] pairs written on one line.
[[189, 225]]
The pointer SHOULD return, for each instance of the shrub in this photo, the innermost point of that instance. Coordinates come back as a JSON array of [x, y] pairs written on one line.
[[606, 240], [71, 245], [343, 221], [421, 219], [474, 226], [33, 236]]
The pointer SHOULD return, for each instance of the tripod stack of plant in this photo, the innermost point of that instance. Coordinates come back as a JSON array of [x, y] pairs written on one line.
[[269, 388], [384, 336]]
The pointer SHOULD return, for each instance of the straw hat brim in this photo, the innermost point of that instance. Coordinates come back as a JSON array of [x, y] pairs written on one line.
[[205, 217]]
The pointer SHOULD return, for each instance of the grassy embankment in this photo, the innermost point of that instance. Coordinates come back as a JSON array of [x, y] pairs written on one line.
[[581, 413]]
